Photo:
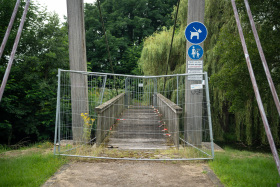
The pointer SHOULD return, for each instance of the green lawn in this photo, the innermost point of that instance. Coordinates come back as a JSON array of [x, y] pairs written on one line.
[[31, 169], [244, 168], [35, 165]]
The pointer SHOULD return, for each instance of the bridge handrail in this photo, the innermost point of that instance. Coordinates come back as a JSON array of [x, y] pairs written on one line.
[[170, 116], [107, 116], [170, 104], [109, 103]]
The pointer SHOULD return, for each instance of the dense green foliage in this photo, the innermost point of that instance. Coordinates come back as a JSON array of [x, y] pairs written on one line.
[[28, 105], [244, 168], [29, 101], [235, 112], [127, 23], [154, 56], [234, 107]]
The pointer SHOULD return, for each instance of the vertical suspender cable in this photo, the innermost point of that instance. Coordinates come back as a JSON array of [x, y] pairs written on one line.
[[256, 90], [4, 82], [9, 28], [269, 79], [168, 58], [104, 31], [108, 48]]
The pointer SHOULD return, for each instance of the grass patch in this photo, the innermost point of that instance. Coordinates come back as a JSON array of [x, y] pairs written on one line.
[[244, 168], [30, 169]]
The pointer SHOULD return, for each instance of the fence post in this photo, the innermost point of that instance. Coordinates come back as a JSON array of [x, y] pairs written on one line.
[[98, 129], [176, 131], [57, 120], [103, 89], [155, 93], [177, 90], [209, 112], [126, 92]]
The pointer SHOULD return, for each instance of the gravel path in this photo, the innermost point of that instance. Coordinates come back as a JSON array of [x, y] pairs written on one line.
[[133, 173]]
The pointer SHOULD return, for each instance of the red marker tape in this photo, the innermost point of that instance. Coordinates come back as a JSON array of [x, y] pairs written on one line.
[[167, 134]]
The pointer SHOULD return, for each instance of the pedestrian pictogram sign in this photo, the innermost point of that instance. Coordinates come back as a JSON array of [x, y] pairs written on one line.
[[196, 32], [195, 52]]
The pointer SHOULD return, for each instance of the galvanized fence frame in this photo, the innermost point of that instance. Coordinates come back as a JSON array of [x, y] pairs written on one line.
[[179, 78]]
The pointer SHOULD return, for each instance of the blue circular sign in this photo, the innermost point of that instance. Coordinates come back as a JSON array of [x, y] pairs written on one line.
[[196, 32], [195, 52]]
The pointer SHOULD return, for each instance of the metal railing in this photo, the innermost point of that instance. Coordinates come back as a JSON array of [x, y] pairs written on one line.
[[143, 116]]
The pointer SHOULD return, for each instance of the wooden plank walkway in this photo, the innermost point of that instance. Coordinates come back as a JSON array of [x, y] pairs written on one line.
[[139, 128]]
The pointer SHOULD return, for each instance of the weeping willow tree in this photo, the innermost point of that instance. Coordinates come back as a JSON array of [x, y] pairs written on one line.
[[156, 49], [235, 113], [154, 56]]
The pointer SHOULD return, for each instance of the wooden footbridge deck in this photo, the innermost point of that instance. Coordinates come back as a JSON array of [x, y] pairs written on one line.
[[138, 127]]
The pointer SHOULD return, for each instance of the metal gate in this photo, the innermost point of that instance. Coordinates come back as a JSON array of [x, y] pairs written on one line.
[[112, 116]]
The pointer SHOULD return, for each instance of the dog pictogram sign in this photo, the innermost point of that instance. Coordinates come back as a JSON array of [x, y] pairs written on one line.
[[196, 32]]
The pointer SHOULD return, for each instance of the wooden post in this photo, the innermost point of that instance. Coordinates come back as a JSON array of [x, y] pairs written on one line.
[[176, 130], [193, 100], [78, 61]]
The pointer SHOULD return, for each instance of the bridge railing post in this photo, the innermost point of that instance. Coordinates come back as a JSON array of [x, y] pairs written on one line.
[[155, 93], [127, 95]]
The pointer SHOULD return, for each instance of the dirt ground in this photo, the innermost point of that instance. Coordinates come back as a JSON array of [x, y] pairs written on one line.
[[133, 173]]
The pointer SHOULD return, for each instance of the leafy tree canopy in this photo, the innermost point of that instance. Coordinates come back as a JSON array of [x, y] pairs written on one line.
[[127, 23], [234, 109], [28, 105]]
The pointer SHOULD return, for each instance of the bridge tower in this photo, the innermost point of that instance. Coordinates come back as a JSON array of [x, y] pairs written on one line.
[[193, 113], [78, 62]]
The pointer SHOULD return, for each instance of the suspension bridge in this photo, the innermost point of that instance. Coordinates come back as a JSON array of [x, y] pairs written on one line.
[[114, 111]]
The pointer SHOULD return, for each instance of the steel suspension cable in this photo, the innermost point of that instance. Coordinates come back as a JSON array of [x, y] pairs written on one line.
[[266, 69], [170, 50], [256, 90], [104, 31], [9, 28], [12, 56], [107, 43]]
